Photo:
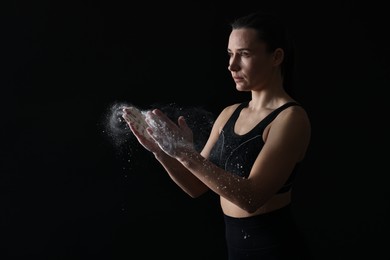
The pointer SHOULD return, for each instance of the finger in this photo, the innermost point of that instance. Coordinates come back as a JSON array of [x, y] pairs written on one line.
[[136, 116], [138, 126], [181, 121], [155, 121], [163, 118], [186, 130]]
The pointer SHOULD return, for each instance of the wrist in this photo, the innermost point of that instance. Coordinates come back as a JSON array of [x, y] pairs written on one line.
[[188, 156]]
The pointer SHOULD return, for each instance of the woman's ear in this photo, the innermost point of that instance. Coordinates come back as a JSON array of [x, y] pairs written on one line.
[[278, 56]]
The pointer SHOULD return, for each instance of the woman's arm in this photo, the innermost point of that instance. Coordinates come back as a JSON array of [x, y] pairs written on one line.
[[178, 173], [285, 144]]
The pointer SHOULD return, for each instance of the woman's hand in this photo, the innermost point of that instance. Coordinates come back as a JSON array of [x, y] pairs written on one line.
[[176, 140], [135, 119]]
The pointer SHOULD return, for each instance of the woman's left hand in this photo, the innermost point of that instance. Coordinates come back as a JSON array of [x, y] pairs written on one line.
[[176, 140]]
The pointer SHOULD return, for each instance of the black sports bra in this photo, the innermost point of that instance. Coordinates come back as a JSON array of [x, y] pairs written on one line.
[[237, 153]]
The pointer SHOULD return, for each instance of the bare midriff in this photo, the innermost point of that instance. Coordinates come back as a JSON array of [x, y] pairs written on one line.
[[276, 202]]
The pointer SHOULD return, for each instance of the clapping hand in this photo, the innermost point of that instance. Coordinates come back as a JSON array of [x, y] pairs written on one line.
[[174, 139], [135, 119]]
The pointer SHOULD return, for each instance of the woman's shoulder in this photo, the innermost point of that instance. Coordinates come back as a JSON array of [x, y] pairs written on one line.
[[230, 109], [225, 114], [294, 110]]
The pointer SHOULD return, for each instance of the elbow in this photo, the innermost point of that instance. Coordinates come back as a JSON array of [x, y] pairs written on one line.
[[244, 205], [194, 195], [250, 209], [250, 206], [197, 193]]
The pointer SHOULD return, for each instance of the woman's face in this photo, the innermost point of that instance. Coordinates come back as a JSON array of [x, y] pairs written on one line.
[[250, 64]]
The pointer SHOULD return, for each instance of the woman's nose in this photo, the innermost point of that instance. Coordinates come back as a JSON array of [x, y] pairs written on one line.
[[233, 64]]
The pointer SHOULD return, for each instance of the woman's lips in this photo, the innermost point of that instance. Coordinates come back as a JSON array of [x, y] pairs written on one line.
[[237, 79]]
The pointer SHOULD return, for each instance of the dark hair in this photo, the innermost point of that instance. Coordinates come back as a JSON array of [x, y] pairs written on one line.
[[272, 30]]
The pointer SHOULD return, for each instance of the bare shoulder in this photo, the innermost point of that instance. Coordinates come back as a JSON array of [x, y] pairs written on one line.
[[293, 119], [225, 115], [228, 111], [295, 114], [291, 128]]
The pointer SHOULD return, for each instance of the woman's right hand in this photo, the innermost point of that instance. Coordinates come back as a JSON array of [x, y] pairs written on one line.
[[135, 119]]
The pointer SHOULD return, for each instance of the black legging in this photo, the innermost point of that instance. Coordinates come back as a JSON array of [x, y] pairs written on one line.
[[269, 236]]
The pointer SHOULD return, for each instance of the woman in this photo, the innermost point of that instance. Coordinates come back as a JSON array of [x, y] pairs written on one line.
[[251, 156]]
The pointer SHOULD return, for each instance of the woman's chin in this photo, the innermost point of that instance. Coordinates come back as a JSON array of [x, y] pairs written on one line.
[[241, 88]]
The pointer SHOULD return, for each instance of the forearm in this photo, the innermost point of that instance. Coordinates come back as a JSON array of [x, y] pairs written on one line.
[[236, 189]]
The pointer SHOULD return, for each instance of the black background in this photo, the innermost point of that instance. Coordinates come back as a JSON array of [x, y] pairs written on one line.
[[71, 192]]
